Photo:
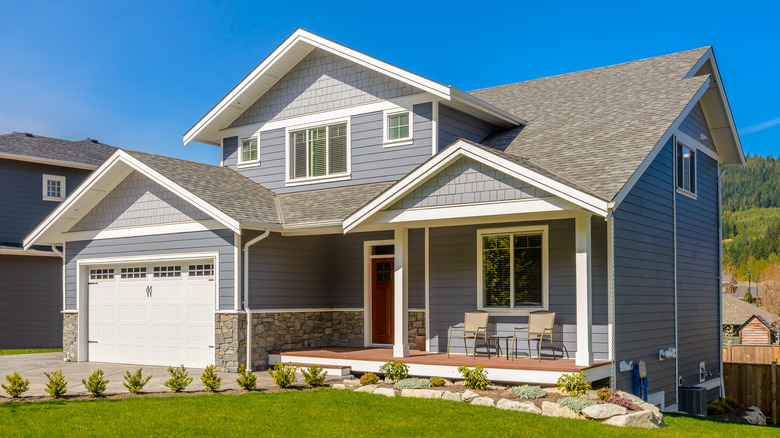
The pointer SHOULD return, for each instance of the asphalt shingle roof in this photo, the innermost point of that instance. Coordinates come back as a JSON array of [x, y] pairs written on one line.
[[595, 127], [737, 312], [328, 204], [86, 151]]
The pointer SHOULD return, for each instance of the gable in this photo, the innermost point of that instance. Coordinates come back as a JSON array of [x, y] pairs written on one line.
[[695, 125], [138, 201], [322, 81]]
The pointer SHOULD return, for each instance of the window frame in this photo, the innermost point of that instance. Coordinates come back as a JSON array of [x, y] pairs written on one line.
[[45, 190], [694, 167], [241, 161], [526, 230], [288, 150], [386, 142]]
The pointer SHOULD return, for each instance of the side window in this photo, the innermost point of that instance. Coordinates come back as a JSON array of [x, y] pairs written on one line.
[[686, 168], [249, 152], [53, 188], [398, 128], [319, 152]]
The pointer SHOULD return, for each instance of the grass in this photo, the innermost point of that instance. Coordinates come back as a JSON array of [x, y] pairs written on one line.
[[319, 413], [30, 351]]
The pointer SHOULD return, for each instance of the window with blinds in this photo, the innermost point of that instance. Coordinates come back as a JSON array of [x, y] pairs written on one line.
[[512, 271], [319, 152]]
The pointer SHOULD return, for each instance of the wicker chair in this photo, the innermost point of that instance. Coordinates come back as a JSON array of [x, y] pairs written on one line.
[[474, 326], [540, 327]]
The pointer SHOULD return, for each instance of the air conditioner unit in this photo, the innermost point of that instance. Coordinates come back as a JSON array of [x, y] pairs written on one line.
[[693, 400]]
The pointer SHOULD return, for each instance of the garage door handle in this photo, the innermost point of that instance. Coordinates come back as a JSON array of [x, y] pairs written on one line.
[[92, 342], [148, 291], [211, 346]]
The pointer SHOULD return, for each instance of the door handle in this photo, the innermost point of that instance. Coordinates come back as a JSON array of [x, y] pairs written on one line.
[[148, 291]]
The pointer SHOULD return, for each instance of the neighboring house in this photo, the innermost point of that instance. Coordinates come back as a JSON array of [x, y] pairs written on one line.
[[739, 314], [757, 331], [36, 174], [359, 204]]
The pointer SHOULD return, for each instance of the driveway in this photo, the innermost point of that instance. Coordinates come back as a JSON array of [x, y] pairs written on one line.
[[32, 367]]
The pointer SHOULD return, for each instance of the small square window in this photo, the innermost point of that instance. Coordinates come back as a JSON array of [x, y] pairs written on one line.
[[201, 270], [249, 152], [53, 188], [398, 126], [126, 273]]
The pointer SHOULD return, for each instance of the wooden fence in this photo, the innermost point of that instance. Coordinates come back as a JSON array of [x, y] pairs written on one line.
[[753, 384], [751, 353]]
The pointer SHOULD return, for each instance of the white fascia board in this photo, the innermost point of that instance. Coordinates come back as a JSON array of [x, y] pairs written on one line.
[[48, 161], [27, 252], [658, 146], [450, 212], [696, 144]]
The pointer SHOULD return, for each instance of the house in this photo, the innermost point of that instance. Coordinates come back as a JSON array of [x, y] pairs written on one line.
[[757, 331], [36, 173], [751, 323], [359, 205]]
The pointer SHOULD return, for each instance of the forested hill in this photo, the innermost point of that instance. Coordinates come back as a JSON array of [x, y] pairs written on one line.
[[757, 186]]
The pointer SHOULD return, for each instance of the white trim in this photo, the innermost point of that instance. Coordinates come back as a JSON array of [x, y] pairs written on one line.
[[342, 176], [687, 194], [27, 252], [45, 194], [405, 141], [240, 158], [710, 384], [401, 292], [150, 230], [532, 229], [427, 285], [435, 128], [694, 167], [696, 144], [149, 258], [236, 272], [39, 160], [367, 327], [584, 289]]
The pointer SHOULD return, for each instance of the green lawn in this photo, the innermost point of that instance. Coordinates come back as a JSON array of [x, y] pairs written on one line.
[[318, 413], [30, 351]]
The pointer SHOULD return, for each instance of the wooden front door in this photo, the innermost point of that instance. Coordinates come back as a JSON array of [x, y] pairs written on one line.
[[382, 300]]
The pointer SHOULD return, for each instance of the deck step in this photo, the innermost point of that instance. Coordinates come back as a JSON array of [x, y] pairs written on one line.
[[333, 370]]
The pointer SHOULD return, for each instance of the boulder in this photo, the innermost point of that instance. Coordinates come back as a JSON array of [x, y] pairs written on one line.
[[639, 403], [469, 395], [368, 388], [339, 386], [556, 410], [387, 392], [351, 383], [755, 416], [448, 382], [483, 401], [421, 393], [513, 405], [603, 411], [643, 419], [451, 396], [496, 387]]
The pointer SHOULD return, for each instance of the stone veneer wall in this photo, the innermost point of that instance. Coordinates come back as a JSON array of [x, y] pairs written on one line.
[[70, 336], [416, 326], [230, 341]]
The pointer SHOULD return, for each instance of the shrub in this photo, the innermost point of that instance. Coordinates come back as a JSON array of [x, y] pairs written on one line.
[[720, 406], [605, 393], [246, 378], [210, 380], [57, 385], [96, 384], [620, 401], [135, 382], [413, 383], [314, 375], [16, 385], [475, 378], [731, 402], [368, 379], [576, 404], [394, 370], [528, 392], [179, 380], [437, 381], [283, 374], [574, 384]]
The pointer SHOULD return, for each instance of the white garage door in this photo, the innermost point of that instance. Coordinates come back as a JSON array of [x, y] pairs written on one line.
[[152, 314]]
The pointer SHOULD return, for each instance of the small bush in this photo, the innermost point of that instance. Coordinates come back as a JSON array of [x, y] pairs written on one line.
[[576, 404], [57, 385], [283, 374], [731, 402], [368, 379], [437, 381], [529, 392], [394, 370], [719, 406], [179, 380], [314, 375], [246, 378], [413, 383], [475, 378], [16, 385], [95, 384], [210, 380], [620, 401], [605, 393], [135, 382], [574, 384]]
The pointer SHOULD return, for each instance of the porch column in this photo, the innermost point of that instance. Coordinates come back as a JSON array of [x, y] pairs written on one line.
[[401, 294], [584, 355]]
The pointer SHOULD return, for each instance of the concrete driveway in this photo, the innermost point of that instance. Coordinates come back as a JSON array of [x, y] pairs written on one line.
[[32, 367]]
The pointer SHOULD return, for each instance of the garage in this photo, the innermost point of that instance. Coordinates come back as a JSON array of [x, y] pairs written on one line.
[[153, 313]]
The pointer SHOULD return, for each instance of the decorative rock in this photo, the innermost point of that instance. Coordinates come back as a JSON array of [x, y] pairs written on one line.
[[755, 416], [339, 386], [604, 411], [351, 383], [593, 395], [389, 380], [639, 403], [451, 396], [643, 419], [496, 387], [420, 393], [448, 382], [368, 388], [458, 383], [483, 401], [387, 392], [469, 395], [556, 410], [512, 405]]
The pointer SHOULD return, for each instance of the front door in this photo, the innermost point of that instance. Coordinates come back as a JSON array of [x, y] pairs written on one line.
[[382, 300]]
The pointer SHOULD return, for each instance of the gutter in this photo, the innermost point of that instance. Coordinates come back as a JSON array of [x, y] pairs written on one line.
[[246, 297]]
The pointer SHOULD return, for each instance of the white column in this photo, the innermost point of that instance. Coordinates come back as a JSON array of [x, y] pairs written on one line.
[[584, 355], [401, 294]]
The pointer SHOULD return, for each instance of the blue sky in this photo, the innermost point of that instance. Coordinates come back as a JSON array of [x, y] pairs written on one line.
[[139, 74]]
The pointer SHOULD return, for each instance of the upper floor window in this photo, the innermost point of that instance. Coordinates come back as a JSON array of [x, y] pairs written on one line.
[[249, 152], [686, 168], [53, 188], [398, 128], [319, 152]]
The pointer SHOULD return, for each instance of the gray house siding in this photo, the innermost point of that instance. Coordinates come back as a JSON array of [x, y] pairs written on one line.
[[644, 276], [201, 241], [30, 302], [453, 277], [371, 162], [695, 124], [454, 124], [698, 284]]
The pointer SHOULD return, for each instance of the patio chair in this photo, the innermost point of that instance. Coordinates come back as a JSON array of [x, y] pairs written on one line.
[[540, 327], [474, 326]]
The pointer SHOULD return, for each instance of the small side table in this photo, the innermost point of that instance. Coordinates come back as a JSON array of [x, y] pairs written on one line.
[[498, 339]]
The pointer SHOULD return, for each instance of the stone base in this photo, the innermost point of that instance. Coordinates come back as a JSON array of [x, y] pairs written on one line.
[[70, 337], [416, 326], [230, 341]]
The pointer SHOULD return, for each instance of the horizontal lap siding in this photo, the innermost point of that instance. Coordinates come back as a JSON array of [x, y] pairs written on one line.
[[695, 125], [455, 124], [644, 276], [348, 266], [698, 290], [201, 241]]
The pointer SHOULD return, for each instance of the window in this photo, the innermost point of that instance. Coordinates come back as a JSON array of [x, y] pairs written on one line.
[[249, 152], [686, 168], [167, 271], [512, 267], [201, 270], [53, 188], [318, 152], [133, 273], [101, 274], [398, 130]]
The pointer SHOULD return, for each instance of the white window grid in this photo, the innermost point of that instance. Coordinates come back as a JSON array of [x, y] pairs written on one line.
[[53, 187], [126, 273], [206, 270], [167, 271], [101, 274]]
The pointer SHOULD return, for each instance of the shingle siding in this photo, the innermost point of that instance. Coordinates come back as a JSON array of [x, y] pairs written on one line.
[[695, 124], [455, 124]]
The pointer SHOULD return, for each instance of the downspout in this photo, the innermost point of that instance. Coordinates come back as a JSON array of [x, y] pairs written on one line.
[[674, 235], [720, 282], [611, 290], [246, 297]]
